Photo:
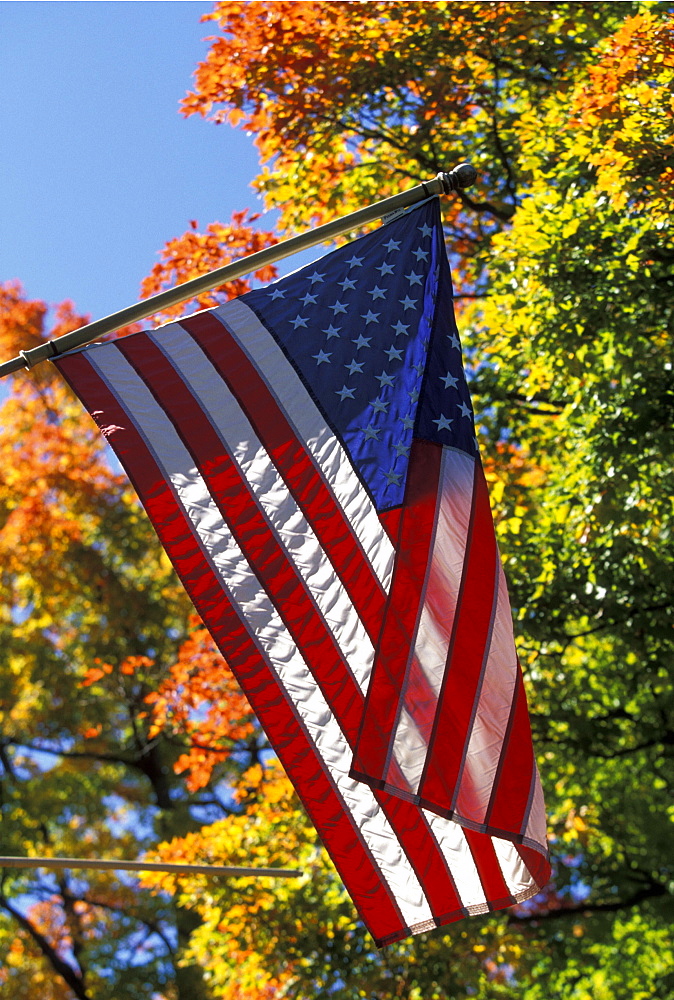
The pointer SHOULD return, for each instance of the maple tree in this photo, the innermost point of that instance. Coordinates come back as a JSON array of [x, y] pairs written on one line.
[[348, 102], [194, 253], [120, 725], [565, 110]]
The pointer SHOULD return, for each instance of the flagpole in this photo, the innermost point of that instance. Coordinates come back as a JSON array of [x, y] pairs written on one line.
[[460, 177], [233, 871]]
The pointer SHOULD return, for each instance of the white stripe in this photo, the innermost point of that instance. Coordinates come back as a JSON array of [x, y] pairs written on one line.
[[281, 652], [536, 831], [455, 491], [310, 427], [453, 843], [408, 753], [515, 873], [493, 712], [293, 532]]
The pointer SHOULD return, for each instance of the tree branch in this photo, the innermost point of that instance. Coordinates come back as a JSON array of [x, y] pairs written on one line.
[[487, 207], [128, 760], [151, 925], [653, 890], [68, 974], [665, 606]]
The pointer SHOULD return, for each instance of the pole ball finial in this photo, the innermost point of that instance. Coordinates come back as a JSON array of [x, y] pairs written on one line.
[[460, 177]]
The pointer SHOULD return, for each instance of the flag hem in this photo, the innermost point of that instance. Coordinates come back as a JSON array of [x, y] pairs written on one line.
[[418, 800], [473, 910]]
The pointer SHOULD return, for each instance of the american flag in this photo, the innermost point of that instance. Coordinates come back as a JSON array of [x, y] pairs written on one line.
[[307, 455]]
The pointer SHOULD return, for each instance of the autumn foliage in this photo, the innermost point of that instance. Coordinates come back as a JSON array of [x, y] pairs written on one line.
[[628, 107], [194, 254], [200, 700]]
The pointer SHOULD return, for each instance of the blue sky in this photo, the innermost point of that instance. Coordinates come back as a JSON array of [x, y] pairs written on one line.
[[97, 166]]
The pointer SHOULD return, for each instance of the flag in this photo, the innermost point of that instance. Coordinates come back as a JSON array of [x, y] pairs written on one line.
[[307, 455]]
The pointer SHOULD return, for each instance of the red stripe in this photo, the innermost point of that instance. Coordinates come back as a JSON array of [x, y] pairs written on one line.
[[538, 865], [295, 465], [465, 658], [420, 702], [389, 675], [390, 520], [512, 783], [236, 502], [495, 889], [287, 591], [422, 849], [419, 697], [264, 691]]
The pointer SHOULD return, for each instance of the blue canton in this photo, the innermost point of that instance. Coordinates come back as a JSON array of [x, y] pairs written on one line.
[[370, 330]]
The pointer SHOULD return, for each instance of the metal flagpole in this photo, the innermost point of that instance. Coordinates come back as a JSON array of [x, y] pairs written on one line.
[[460, 177], [148, 866]]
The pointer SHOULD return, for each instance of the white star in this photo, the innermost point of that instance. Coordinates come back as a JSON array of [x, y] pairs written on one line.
[[384, 269], [444, 423], [278, 293], [392, 478], [338, 308], [414, 395], [316, 277], [394, 354], [308, 300], [355, 261], [362, 341], [420, 254], [354, 368], [384, 379], [345, 393], [465, 410], [413, 278], [298, 321], [377, 293], [392, 245], [371, 317], [322, 356], [401, 448], [379, 406], [408, 423], [401, 328], [371, 432], [419, 368], [454, 341], [348, 283], [408, 303], [332, 331], [425, 230], [450, 380]]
